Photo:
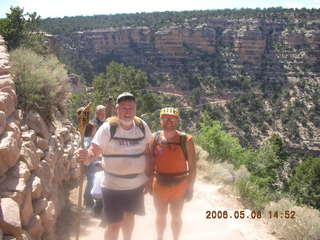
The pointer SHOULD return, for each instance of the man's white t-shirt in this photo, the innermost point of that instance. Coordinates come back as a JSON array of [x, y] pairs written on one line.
[[123, 165]]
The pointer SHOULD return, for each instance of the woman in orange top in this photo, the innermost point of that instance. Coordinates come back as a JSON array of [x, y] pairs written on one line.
[[174, 165]]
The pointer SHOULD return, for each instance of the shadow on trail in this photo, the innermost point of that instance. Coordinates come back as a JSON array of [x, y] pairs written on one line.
[[66, 223]]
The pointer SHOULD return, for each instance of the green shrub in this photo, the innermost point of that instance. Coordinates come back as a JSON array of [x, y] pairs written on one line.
[[253, 192], [305, 183], [265, 163], [220, 144], [41, 82]]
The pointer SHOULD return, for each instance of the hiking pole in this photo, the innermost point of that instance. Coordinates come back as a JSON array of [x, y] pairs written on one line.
[[83, 120]]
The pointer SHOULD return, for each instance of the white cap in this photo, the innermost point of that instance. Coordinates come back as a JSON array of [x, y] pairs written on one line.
[[100, 107]]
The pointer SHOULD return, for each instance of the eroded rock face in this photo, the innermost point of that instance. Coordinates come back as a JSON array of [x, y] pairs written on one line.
[[35, 121], [295, 39], [174, 41], [250, 44], [313, 39], [32, 161]]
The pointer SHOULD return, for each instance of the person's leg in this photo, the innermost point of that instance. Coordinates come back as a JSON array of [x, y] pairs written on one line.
[[112, 231], [161, 210], [127, 225], [88, 199], [176, 218], [97, 207], [112, 213]]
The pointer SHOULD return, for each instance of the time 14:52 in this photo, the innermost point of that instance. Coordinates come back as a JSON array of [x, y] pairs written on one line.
[[285, 214]]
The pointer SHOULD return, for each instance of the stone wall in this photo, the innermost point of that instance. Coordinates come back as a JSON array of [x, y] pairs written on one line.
[[36, 165]]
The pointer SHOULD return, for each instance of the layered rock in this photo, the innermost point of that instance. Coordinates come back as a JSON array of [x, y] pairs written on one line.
[[169, 49], [36, 162], [250, 45]]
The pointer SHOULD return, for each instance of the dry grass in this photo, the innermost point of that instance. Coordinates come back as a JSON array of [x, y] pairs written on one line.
[[305, 225], [242, 172]]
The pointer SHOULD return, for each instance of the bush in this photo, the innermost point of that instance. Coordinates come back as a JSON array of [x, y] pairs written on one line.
[[305, 183], [305, 225], [41, 82]]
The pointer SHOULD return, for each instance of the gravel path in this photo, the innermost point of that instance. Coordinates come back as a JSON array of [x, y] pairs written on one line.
[[196, 226]]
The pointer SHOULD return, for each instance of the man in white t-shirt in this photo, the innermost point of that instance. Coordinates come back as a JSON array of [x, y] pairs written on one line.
[[122, 142]]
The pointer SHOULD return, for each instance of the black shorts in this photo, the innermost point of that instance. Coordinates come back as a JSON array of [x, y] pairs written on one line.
[[116, 202]]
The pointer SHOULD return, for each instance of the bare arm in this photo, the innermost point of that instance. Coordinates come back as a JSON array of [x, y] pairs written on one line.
[[149, 160], [192, 168], [191, 161]]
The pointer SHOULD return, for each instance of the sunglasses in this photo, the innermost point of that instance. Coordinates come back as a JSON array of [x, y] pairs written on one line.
[[170, 119]]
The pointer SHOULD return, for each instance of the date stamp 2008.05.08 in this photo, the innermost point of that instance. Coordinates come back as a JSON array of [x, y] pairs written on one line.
[[247, 214]]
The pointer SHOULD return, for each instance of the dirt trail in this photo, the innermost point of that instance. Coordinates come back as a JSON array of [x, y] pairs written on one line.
[[195, 227]]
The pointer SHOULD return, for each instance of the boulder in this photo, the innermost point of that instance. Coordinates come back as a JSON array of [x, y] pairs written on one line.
[[63, 134], [26, 210], [10, 211], [45, 173], [9, 151], [35, 121], [29, 155], [36, 187], [39, 205], [8, 101], [35, 228], [21, 170], [40, 153], [29, 135], [48, 218], [13, 126], [42, 143], [16, 179], [6, 81]]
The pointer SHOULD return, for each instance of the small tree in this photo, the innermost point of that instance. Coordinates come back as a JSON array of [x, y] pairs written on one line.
[[117, 79], [22, 29], [41, 82]]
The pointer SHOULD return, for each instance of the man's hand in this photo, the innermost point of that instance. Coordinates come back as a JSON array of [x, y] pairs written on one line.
[[82, 155]]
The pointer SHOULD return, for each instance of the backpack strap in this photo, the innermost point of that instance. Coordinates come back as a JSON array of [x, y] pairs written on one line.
[[155, 142], [139, 123], [114, 122], [183, 144]]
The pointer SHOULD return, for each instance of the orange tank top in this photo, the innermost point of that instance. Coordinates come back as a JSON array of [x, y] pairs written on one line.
[[169, 158]]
